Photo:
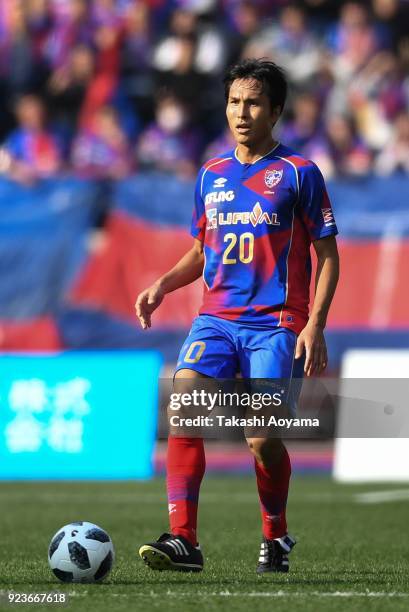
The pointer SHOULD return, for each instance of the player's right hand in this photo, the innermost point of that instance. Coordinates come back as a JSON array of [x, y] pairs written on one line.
[[146, 303]]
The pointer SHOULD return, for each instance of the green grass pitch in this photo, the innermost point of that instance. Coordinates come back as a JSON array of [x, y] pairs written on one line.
[[350, 555]]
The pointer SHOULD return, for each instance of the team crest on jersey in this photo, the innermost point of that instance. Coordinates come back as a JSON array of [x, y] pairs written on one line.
[[272, 178]]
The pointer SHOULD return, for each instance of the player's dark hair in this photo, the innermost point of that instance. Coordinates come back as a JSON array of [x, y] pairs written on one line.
[[271, 77]]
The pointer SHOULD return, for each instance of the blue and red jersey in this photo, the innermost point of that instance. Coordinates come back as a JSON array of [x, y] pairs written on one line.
[[257, 222]]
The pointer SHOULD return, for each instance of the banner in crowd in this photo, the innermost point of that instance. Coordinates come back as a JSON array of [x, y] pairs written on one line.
[[56, 292]]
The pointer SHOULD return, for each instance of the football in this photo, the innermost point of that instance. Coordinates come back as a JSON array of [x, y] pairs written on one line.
[[81, 552]]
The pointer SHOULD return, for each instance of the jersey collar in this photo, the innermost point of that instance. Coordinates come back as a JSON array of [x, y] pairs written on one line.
[[256, 160]]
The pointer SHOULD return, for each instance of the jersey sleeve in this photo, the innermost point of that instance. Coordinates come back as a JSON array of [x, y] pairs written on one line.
[[198, 227], [316, 209]]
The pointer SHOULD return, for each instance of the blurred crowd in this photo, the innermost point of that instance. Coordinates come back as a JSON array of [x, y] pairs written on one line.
[[106, 88]]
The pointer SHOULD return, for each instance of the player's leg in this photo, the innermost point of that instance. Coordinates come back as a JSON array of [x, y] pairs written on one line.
[[270, 355], [207, 353], [273, 471], [185, 468]]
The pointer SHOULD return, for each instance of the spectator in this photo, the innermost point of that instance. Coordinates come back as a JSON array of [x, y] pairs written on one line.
[[39, 24], [105, 12], [348, 155], [136, 54], [34, 151], [321, 13], [71, 27], [178, 71], [304, 132], [193, 88], [83, 55], [395, 156], [290, 44], [167, 52], [170, 143], [67, 89], [188, 62], [352, 41], [245, 23], [376, 96], [210, 49], [221, 144], [21, 66], [265, 8], [105, 87], [102, 151], [392, 18]]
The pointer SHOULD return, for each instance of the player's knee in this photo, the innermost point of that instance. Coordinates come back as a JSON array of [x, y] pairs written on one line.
[[266, 451], [187, 373], [185, 382]]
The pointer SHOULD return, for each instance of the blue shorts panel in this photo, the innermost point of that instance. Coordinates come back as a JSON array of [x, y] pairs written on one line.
[[267, 353], [221, 349], [209, 349]]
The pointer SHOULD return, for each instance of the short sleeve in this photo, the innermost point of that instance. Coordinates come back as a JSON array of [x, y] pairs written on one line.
[[198, 227], [316, 209]]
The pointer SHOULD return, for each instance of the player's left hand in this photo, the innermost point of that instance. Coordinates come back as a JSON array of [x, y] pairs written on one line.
[[312, 341]]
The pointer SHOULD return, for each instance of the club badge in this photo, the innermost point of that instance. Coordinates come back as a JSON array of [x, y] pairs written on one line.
[[272, 178]]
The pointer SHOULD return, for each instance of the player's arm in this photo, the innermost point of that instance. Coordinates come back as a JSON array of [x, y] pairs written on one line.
[[187, 270], [312, 338]]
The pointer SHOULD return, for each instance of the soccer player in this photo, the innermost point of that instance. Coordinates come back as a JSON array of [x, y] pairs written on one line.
[[257, 210]]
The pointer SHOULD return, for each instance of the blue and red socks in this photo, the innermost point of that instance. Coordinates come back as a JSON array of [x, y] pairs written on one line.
[[185, 470], [272, 484]]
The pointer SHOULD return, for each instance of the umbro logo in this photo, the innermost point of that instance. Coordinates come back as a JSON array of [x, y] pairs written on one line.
[[220, 182]]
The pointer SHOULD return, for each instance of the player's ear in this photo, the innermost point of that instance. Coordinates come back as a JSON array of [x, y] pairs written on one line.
[[275, 114]]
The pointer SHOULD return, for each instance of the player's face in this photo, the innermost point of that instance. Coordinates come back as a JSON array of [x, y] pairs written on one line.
[[249, 113]]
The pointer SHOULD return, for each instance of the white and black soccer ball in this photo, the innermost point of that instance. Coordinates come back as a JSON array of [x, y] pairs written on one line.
[[81, 552]]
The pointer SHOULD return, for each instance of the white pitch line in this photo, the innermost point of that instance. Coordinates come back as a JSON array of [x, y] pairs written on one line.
[[254, 594], [148, 498], [381, 497], [308, 593], [369, 497]]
